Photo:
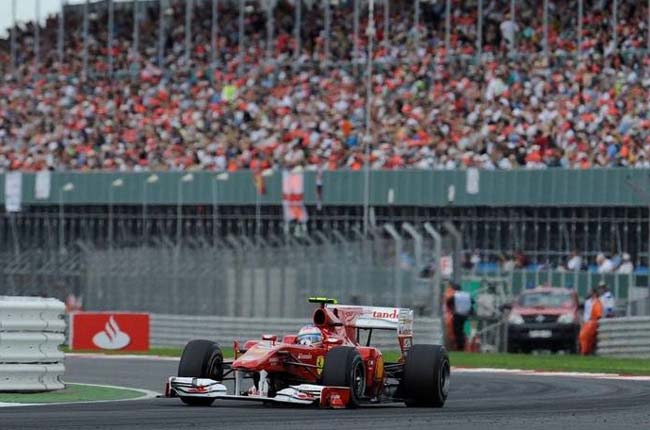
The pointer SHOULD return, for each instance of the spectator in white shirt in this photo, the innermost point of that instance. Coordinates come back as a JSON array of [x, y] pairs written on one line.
[[575, 262], [509, 29], [605, 265], [607, 299], [626, 266]]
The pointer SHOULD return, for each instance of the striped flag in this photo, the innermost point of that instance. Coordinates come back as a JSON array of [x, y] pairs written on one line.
[[293, 196]]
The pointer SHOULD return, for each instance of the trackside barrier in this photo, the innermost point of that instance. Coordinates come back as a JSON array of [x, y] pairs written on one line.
[[177, 330], [31, 331], [624, 337]]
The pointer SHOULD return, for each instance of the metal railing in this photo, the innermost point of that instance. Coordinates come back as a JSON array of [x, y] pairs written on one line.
[[177, 330], [236, 277], [624, 337], [630, 290], [31, 331]]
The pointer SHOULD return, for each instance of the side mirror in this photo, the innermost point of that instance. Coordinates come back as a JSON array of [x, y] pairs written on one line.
[[273, 338], [333, 341]]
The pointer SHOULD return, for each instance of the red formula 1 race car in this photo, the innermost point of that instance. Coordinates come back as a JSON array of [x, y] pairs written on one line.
[[324, 364]]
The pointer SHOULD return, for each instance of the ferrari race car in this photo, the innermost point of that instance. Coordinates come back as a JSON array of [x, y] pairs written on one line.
[[324, 364]]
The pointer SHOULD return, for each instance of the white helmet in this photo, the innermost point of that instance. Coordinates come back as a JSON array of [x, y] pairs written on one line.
[[309, 335]]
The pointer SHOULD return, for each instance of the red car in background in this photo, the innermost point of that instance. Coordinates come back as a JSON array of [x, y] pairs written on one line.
[[334, 370], [544, 318]]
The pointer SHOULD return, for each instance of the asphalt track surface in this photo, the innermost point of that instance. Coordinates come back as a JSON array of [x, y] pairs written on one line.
[[476, 401]]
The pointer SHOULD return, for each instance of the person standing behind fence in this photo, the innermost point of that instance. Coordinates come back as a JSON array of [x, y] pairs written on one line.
[[448, 316], [626, 266], [575, 262], [607, 299], [589, 330], [605, 265], [459, 304]]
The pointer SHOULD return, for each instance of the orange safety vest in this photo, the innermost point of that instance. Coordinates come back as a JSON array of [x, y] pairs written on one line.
[[589, 330], [448, 313]]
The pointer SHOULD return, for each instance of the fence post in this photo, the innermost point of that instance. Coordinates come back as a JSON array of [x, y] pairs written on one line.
[[437, 253], [417, 237], [346, 251], [398, 253], [458, 243]]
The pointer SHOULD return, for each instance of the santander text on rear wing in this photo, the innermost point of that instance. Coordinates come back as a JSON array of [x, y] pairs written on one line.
[[375, 317]]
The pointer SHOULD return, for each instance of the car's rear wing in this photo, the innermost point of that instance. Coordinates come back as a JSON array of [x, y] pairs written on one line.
[[375, 317]]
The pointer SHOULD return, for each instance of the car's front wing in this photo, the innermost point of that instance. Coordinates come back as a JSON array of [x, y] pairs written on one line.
[[303, 394]]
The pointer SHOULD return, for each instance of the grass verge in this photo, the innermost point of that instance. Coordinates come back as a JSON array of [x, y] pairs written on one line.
[[558, 363], [561, 363], [71, 393]]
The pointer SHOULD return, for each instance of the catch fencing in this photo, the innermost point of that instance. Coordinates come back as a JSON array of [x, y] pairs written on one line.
[[242, 278], [624, 337], [177, 330], [237, 276], [31, 331], [272, 276]]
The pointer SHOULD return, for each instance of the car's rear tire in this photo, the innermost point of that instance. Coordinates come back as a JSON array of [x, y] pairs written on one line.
[[201, 359], [344, 368], [426, 376]]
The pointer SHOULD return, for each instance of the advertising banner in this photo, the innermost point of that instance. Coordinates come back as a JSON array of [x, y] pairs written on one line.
[[109, 331], [293, 196]]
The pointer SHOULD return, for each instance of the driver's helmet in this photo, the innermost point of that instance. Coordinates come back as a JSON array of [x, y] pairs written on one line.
[[309, 335]]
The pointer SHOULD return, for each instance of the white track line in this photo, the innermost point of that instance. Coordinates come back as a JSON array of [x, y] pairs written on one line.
[[146, 394]]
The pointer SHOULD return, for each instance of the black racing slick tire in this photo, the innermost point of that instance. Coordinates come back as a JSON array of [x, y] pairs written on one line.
[[425, 382], [201, 359], [344, 368]]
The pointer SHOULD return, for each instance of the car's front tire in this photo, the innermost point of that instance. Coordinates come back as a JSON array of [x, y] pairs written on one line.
[[344, 368], [201, 359], [426, 377]]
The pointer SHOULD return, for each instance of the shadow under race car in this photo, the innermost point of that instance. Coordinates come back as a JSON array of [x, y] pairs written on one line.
[[336, 372]]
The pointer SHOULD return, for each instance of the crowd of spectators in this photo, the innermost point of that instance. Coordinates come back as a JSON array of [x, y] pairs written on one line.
[[617, 262], [272, 106]]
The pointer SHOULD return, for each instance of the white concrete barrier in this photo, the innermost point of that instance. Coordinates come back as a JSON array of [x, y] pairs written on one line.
[[31, 331], [177, 330]]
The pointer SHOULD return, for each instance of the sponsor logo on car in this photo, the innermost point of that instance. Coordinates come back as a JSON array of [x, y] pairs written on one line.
[[386, 315], [320, 362], [199, 389]]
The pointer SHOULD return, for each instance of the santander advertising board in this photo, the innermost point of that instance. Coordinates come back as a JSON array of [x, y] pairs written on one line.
[[109, 331]]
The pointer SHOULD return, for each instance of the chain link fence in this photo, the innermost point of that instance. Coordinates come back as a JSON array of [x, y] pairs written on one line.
[[236, 277]]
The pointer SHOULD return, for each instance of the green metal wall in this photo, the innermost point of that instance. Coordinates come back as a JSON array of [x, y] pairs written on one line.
[[560, 187]]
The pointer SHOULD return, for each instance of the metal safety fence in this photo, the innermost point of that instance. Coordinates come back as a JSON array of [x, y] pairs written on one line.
[[271, 276], [630, 289], [177, 330], [624, 337], [31, 331], [236, 277]]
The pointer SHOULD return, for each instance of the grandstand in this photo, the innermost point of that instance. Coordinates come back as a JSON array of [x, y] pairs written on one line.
[[128, 88], [241, 86]]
